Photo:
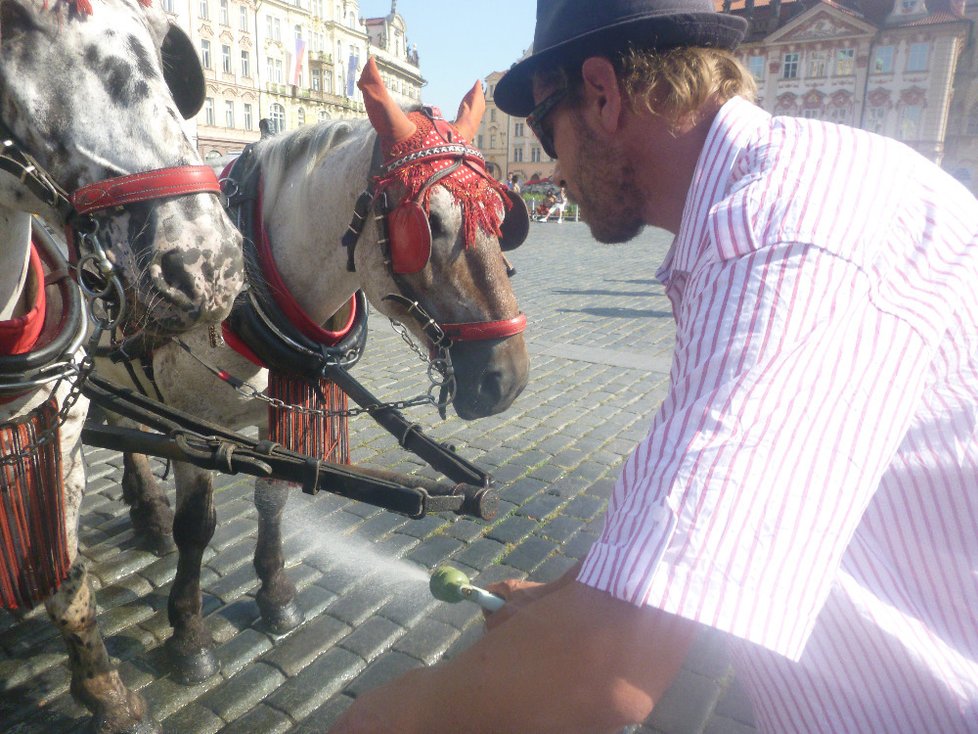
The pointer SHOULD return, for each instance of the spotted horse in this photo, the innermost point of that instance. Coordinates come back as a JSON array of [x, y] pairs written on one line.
[[426, 238], [92, 96]]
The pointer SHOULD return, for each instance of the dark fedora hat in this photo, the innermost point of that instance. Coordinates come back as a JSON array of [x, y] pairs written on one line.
[[573, 28]]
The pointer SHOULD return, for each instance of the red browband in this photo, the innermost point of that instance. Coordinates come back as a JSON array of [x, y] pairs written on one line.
[[159, 184], [482, 330]]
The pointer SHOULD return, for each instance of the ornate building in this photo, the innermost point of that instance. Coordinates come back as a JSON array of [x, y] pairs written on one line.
[[508, 144], [905, 69], [293, 62]]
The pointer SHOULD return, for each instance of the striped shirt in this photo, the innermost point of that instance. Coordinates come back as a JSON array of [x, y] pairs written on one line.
[[810, 483]]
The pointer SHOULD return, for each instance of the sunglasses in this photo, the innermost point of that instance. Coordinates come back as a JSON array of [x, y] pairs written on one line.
[[538, 114]]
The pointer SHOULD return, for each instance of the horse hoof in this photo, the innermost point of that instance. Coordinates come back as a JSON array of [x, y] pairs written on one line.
[[281, 619], [158, 545], [194, 666], [132, 719]]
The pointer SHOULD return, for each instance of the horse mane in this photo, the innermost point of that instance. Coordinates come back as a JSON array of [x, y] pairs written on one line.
[[309, 145]]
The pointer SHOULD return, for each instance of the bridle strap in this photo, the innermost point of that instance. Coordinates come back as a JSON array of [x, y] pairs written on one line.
[[162, 183], [483, 330]]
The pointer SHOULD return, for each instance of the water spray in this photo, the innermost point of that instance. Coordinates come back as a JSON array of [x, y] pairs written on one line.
[[451, 585]]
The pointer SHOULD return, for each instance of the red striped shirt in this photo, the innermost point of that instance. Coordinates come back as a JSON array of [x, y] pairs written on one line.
[[810, 483]]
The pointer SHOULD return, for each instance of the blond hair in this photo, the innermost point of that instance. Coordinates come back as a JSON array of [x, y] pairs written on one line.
[[672, 83], [677, 82]]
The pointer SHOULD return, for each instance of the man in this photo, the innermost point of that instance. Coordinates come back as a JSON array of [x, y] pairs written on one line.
[[810, 484]]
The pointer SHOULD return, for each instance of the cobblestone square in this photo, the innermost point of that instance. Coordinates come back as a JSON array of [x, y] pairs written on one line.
[[600, 335]]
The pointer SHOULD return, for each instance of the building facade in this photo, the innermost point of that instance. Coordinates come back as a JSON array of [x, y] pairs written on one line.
[[508, 144], [904, 69], [292, 62]]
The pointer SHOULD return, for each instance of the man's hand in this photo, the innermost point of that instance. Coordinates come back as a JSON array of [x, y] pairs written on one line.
[[572, 660]]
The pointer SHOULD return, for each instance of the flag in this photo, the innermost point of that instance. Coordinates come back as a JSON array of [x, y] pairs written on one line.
[[300, 52]]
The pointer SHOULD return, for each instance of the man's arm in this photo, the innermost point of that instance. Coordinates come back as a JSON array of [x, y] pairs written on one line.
[[573, 660]]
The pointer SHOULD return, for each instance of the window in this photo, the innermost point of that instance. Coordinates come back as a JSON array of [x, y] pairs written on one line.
[[518, 130], [818, 64], [277, 26], [535, 154], [205, 53], [518, 153], [209, 111], [323, 115], [883, 61], [492, 115], [917, 60], [243, 18], [876, 119], [314, 78], [910, 117], [246, 63], [228, 113], [492, 141], [755, 64], [248, 119], [203, 10], [810, 112], [226, 58], [168, 6], [276, 116], [479, 143], [225, 20], [845, 61], [275, 71], [790, 70], [301, 116]]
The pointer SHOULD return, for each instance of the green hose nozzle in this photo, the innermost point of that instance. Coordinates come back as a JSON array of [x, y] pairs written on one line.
[[451, 585]]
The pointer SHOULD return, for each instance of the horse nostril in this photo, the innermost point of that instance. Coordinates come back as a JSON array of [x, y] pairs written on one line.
[[177, 277], [491, 387]]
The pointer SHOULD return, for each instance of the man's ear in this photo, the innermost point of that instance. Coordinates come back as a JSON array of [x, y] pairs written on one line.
[[602, 94]]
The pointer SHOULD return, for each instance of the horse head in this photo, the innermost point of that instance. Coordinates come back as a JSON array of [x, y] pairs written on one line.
[[94, 91], [447, 221]]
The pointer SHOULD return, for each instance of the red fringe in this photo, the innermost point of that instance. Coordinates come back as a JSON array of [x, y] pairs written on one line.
[[470, 185], [312, 435], [33, 543]]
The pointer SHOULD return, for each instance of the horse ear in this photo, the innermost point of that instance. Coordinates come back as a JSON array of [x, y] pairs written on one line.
[[389, 120], [470, 112]]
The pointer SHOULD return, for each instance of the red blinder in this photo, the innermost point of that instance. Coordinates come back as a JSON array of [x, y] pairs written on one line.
[[410, 238]]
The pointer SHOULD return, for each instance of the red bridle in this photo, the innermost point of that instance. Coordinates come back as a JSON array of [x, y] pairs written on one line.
[[146, 186], [444, 157]]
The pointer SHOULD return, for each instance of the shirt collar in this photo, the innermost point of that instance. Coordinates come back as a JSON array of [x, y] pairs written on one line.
[[734, 128]]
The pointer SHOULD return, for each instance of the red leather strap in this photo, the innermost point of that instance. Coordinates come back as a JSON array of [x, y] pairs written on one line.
[[159, 184], [481, 330]]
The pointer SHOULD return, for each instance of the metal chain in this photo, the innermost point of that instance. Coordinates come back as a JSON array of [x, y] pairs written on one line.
[[81, 370], [440, 376]]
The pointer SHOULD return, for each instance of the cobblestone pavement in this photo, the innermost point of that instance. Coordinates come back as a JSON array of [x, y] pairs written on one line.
[[600, 335]]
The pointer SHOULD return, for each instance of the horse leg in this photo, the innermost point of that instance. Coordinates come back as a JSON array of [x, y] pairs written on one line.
[[276, 597], [191, 647], [149, 507], [95, 683]]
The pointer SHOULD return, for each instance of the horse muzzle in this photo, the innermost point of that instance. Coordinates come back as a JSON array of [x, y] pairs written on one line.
[[489, 374]]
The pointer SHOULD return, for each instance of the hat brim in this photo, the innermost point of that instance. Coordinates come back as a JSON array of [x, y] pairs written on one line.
[[514, 91]]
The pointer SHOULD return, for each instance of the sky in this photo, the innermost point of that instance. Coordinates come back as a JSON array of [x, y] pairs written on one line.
[[461, 41]]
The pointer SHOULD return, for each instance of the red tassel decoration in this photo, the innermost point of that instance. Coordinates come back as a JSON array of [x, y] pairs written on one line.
[[33, 543], [312, 435]]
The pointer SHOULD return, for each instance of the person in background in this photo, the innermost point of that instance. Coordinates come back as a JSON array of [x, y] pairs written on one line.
[[808, 485], [514, 183], [559, 203]]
